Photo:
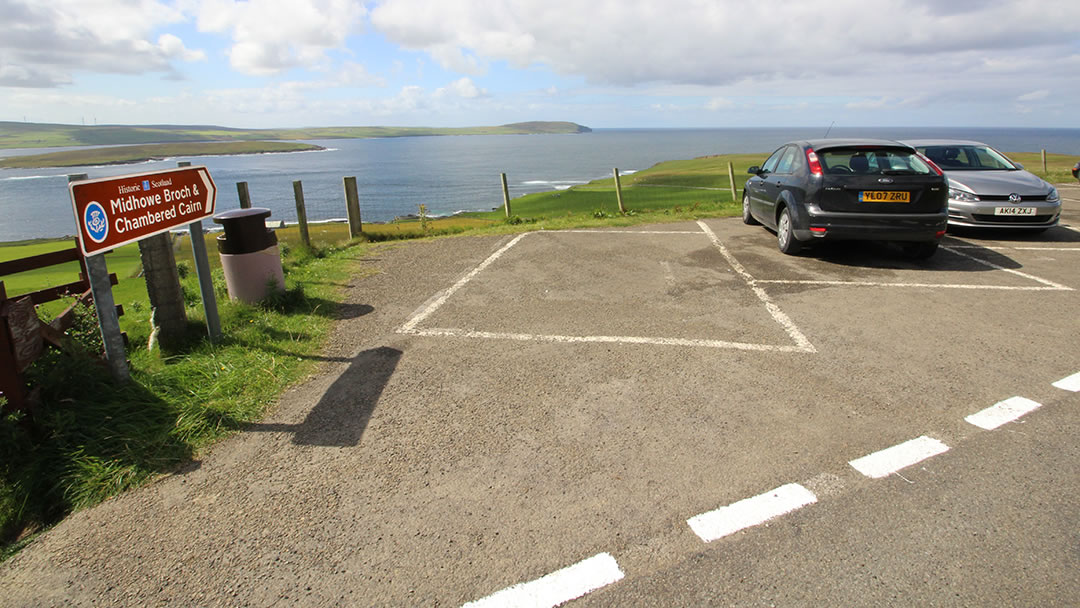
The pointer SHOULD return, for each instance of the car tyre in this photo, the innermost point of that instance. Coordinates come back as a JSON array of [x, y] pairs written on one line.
[[785, 234], [747, 217], [920, 251]]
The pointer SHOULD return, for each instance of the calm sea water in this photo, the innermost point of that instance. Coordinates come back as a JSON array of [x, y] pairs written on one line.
[[447, 174]]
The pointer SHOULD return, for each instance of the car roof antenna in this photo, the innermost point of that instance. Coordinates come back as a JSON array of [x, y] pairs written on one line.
[[829, 129]]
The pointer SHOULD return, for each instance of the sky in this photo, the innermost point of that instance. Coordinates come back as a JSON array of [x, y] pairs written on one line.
[[600, 63]]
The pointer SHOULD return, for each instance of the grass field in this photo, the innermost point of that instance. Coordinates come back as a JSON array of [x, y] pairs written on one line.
[[134, 154]]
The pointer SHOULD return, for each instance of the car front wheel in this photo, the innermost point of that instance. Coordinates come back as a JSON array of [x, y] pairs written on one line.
[[747, 217], [785, 236]]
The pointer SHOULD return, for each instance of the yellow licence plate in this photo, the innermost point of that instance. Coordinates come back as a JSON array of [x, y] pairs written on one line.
[[884, 196]]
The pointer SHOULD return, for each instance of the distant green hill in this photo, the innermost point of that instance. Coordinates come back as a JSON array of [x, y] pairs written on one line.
[[40, 135]]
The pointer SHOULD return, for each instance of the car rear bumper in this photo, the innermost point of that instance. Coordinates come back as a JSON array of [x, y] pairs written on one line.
[[872, 226]]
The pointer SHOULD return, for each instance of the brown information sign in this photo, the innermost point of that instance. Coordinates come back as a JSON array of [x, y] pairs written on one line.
[[115, 211]]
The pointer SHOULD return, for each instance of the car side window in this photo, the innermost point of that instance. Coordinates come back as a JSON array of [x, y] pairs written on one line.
[[770, 165], [787, 161]]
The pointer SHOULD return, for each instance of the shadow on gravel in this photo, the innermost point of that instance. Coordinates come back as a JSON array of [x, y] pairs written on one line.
[[341, 416], [889, 256]]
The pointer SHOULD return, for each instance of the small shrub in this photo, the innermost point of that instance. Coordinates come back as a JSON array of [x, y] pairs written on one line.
[[183, 269]]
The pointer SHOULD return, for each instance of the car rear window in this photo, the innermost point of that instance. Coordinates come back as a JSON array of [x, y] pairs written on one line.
[[870, 161]]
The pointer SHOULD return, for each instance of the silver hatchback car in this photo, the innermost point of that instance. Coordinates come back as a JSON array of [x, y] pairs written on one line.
[[986, 189]]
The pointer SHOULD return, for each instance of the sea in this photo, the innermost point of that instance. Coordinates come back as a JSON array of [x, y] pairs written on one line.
[[447, 174]]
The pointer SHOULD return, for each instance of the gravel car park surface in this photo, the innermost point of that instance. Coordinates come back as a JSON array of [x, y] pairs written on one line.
[[494, 409]]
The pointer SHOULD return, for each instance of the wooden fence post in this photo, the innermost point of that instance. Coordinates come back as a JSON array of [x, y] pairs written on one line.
[[1044, 161], [243, 194], [352, 208], [506, 194], [731, 177], [618, 190], [301, 212]]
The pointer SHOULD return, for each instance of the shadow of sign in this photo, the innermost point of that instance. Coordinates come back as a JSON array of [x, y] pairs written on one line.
[[341, 415]]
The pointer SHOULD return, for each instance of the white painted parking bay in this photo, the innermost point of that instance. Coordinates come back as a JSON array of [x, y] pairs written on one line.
[[674, 286], [1042, 263]]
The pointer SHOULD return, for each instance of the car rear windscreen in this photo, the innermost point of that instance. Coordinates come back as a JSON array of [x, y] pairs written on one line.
[[872, 161]]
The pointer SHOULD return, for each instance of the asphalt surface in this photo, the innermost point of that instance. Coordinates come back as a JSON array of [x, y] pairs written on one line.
[[494, 410]]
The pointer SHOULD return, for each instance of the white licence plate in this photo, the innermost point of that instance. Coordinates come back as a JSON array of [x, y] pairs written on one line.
[[1014, 210]]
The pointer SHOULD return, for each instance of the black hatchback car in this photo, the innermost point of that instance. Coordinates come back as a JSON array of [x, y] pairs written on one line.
[[854, 189]]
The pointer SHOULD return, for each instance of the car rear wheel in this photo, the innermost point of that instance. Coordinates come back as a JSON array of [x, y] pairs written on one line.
[[785, 236], [747, 217], [920, 251]]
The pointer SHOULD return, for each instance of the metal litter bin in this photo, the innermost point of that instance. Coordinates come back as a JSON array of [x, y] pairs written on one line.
[[249, 254]]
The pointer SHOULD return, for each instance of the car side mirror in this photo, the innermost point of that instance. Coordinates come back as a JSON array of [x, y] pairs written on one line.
[[755, 170]]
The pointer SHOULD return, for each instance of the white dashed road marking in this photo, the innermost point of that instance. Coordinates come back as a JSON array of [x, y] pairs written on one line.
[[1072, 383], [1003, 412], [558, 587], [891, 460], [750, 512]]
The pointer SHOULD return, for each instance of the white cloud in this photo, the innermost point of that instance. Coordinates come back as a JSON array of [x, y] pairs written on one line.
[[270, 36], [463, 88], [1039, 95], [43, 43], [841, 47], [172, 46], [719, 103]]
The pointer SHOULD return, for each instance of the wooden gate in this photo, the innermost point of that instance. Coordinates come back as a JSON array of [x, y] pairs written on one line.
[[23, 336]]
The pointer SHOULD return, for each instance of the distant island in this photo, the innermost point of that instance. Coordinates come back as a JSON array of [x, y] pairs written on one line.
[[41, 135]]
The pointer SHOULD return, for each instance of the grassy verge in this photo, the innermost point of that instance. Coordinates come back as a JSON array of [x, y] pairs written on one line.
[[135, 154], [1058, 166], [90, 439]]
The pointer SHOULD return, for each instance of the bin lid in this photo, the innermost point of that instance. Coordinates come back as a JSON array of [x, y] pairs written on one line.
[[237, 214]]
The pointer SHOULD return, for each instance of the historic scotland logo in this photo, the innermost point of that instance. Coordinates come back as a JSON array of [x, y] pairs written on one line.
[[96, 222]]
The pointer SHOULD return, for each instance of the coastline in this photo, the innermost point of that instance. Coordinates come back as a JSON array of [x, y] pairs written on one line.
[[129, 155]]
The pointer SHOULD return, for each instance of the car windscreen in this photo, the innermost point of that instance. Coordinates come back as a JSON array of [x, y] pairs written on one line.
[[967, 158], [863, 160]]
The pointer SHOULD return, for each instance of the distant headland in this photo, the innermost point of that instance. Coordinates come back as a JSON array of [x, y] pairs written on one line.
[[123, 144]]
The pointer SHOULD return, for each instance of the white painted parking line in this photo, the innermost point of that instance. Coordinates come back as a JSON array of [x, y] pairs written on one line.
[[750, 512], [490, 335], [802, 345], [1002, 412], [774, 310], [910, 285], [558, 587], [1045, 284], [1009, 270], [441, 299], [1072, 383], [891, 460], [1003, 248], [632, 231]]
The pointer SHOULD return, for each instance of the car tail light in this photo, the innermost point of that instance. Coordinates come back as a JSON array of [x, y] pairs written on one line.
[[818, 229], [932, 164], [815, 164], [939, 234]]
